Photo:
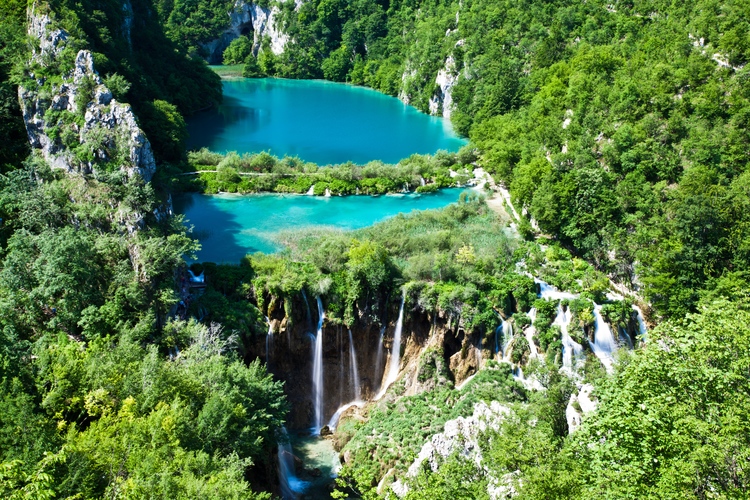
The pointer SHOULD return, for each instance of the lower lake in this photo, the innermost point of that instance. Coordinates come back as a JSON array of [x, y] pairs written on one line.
[[321, 122], [230, 226]]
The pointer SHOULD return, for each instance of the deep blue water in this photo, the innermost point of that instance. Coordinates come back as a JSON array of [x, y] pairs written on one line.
[[321, 122]]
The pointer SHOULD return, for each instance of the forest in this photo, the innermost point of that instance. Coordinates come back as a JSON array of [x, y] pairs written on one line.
[[622, 132]]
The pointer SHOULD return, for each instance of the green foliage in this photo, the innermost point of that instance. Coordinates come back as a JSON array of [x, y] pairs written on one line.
[[238, 50], [166, 129], [262, 171], [397, 429], [118, 85]]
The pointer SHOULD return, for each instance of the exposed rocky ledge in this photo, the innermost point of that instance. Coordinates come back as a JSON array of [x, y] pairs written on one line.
[[75, 122], [460, 435], [244, 19]]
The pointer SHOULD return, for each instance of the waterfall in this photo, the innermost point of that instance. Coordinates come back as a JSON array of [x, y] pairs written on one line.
[[318, 369], [604, 344], [507, 337], [571, 350], [334, 420], [311, 191], [529, 332], [642, 330], [395, 360], [378, 378], [624, 338], [549, 292], [269, 341], [289, 483], [353, 368], [499, 327], [421, 181]]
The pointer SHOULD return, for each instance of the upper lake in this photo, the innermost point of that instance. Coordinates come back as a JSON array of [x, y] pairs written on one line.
[[321, 122]]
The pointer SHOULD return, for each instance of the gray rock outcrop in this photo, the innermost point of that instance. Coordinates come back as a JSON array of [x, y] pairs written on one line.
[[246, 18], [460, 435], [73, 120]]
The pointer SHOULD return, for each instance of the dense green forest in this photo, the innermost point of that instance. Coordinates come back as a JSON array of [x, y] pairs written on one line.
[[622, 131]]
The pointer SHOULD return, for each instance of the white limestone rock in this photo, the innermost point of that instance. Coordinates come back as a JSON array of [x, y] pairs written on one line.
[[446, 79], [246, 18], [459, 435], [109, 128]]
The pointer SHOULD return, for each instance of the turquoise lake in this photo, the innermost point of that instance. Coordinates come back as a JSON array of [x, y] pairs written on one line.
[[321, 122], [231, 226]]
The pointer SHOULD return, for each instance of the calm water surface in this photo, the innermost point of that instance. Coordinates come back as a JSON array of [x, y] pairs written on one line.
[[231, 226], [321, 122]]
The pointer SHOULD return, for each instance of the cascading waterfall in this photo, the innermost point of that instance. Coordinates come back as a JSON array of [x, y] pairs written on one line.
[[624, 337], [395, 361], [288, 481], [507, 337], [269, 341], [334, 420], [379, 360], [571, 350], [353, 368], [497, 344], [530, 331], [318, 370], [642, 330], [604, 344]]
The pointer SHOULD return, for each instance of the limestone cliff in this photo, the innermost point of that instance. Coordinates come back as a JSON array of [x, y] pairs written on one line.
[[71, 117], [441, 103], [246, 18]]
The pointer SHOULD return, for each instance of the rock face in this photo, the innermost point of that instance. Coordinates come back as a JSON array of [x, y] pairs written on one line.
[[460, 435], [442, 101], [289, 356], [75, 122], [579, 405], [246, 18]]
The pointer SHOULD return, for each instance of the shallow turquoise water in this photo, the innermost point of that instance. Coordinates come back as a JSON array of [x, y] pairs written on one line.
[[321, 122], [231, 226]]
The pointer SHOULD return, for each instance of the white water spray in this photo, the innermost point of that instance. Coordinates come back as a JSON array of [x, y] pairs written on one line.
[[378, 378], [604, 344], [529, 332], [334, 420], [572, 351], [642, 330], [318, 370], [269, 341], [353, 368], [395, 352], [289, 483]]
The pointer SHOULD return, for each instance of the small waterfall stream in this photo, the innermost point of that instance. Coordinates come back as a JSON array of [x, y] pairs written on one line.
[[642, 330], [289, 484], [269, 342], [571, 350], [378, 378], [353, 368], [318, 370], [530, 331], [395, 361], [604, 344]]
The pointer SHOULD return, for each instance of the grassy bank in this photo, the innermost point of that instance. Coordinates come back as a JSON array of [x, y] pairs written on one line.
[[210, 172]]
